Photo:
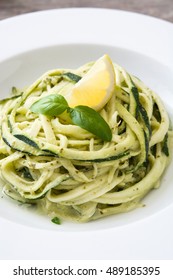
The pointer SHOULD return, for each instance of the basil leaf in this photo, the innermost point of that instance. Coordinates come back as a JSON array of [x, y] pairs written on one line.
[[83, 116], [89, 119], [52, 105], [56, 221]]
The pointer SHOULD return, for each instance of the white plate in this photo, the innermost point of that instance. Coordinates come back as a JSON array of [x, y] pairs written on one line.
[[33, 43]]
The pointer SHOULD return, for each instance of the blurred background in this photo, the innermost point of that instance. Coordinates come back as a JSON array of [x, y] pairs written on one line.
[[158, 8]]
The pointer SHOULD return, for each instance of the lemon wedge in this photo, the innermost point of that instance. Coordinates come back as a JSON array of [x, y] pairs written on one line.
[[96, 87]]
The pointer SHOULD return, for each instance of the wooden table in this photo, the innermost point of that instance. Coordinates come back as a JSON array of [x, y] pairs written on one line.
[[158, 8]]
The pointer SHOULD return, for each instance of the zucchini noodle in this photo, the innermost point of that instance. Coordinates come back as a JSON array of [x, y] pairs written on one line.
[[69, 172]]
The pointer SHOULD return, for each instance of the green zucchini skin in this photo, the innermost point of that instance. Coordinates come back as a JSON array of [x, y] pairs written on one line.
[[112, 158], [4, 100], [165, 148], [16, 143], [141, 110], [26, 140], [71, 77], [26, 173]]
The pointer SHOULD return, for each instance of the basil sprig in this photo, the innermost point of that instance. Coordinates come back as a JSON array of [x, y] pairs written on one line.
[[83, 116]]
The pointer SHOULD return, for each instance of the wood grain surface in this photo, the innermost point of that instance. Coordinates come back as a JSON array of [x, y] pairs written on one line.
[[158, 8]]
